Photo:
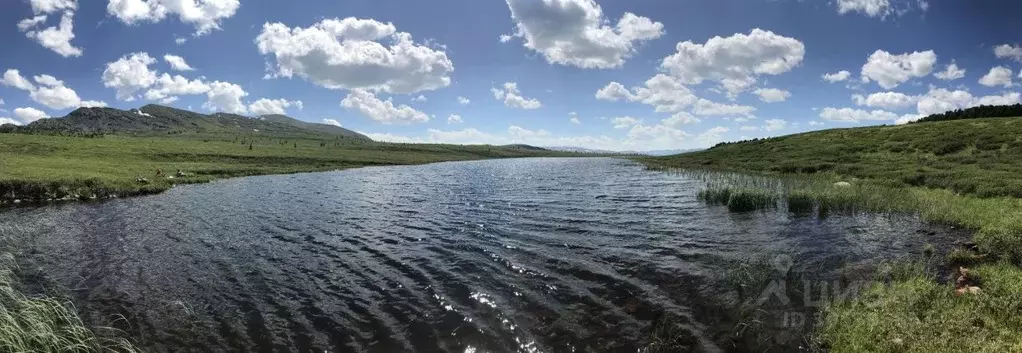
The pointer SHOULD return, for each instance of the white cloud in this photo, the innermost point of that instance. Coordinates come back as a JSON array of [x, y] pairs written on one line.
[[225, 97], [513, 98], [951, 73], [657, 136], [180, 40], [680, 118], [815, 123], [772, 95], [333, 122], [576, 33], [939, 100], [706, 107], [504, 38], [93, 104], [53, 94], [265, 106], [747, 128], [56, 38], [889, 70], [9, 121], [464, 101], [1013, 52], [348, 54], [837, 76], [713, 135], [382, 111], [454, 119], [204, 15], [871, 8], [624, 122], [167, 88], [177, 63], [14, 79], [51, 6], [735, 61], [31, 22], [129, 74], [885, 100], [29, 115], [998, 76], [775, 124], [850, 115], [420, 98], [664, 93], [574, 120]]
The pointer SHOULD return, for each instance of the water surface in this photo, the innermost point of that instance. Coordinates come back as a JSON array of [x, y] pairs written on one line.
[[525, 255]]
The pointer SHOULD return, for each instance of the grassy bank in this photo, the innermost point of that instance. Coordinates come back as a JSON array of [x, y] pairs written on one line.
[[40, 167], [972, 180]]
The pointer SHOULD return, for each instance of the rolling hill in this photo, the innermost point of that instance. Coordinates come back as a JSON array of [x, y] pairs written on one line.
[[161, 120]]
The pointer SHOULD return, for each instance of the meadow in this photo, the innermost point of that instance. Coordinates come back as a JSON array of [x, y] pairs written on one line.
[[48, 167], [961, 172]]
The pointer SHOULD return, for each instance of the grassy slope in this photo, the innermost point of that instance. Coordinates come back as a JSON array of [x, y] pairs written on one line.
[[965, 172], [37, 166]]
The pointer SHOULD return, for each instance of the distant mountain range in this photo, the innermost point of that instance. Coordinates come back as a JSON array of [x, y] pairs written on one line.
[[598, 151], [157, 119]]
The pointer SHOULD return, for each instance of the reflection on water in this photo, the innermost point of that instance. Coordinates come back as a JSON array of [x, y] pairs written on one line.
[[529, 255]]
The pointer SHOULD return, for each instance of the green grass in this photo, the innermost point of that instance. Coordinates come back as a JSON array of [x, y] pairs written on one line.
[[964, 173], [45, 324], [41, 167]]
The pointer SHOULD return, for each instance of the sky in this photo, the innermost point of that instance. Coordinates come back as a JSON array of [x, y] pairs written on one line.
[[632, 75]]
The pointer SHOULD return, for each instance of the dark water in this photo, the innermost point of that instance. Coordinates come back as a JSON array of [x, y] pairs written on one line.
[[530, 255]]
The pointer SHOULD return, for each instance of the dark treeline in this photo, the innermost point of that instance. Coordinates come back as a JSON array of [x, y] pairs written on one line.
[[983, 111]]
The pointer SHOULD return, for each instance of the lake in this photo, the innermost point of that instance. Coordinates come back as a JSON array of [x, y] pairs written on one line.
[[523, 255]]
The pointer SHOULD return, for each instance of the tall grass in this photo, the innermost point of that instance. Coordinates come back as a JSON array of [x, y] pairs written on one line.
[[45, 324]]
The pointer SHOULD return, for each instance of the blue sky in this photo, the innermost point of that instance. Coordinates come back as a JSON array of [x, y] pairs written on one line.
[[623, 75]]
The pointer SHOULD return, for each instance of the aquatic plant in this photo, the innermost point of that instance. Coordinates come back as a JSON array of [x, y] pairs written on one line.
[[45, 324], [800, 201]]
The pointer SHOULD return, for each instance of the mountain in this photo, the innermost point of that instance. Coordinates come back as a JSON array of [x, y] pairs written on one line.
[[324, 128], [160, 120]]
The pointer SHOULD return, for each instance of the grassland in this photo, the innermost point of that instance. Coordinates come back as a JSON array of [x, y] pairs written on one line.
[[963, 172], [43, 167]]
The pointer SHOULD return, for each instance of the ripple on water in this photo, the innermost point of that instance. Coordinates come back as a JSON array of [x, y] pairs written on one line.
[[531, 255]]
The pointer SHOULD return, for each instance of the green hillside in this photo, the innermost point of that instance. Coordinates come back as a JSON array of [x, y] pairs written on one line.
[[976, 156], [954, 169]]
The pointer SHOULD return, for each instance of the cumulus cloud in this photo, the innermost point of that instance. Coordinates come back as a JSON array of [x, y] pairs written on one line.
[[850, 115], [680, 118], [383, 111], [707, 107], [736, 61], [56, 38], [512, 97], [13, 78], [9, 121], [29, 115], [939, 100], [354, 54], [837, 76], [204, 15], [464, 101], [815, 123], [53, 94], [712, 135], [998, 76], [1006, 51], [225, 97], [167, 88], [772, 95], [952, 72], [576, 32], [265, 106], [177, 63], [871, 8], [775, 124], [890, 70], [454, 119], [885, 100], [129, 74], [420, 98], [624, 122], [664, 93], [333, 122]]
